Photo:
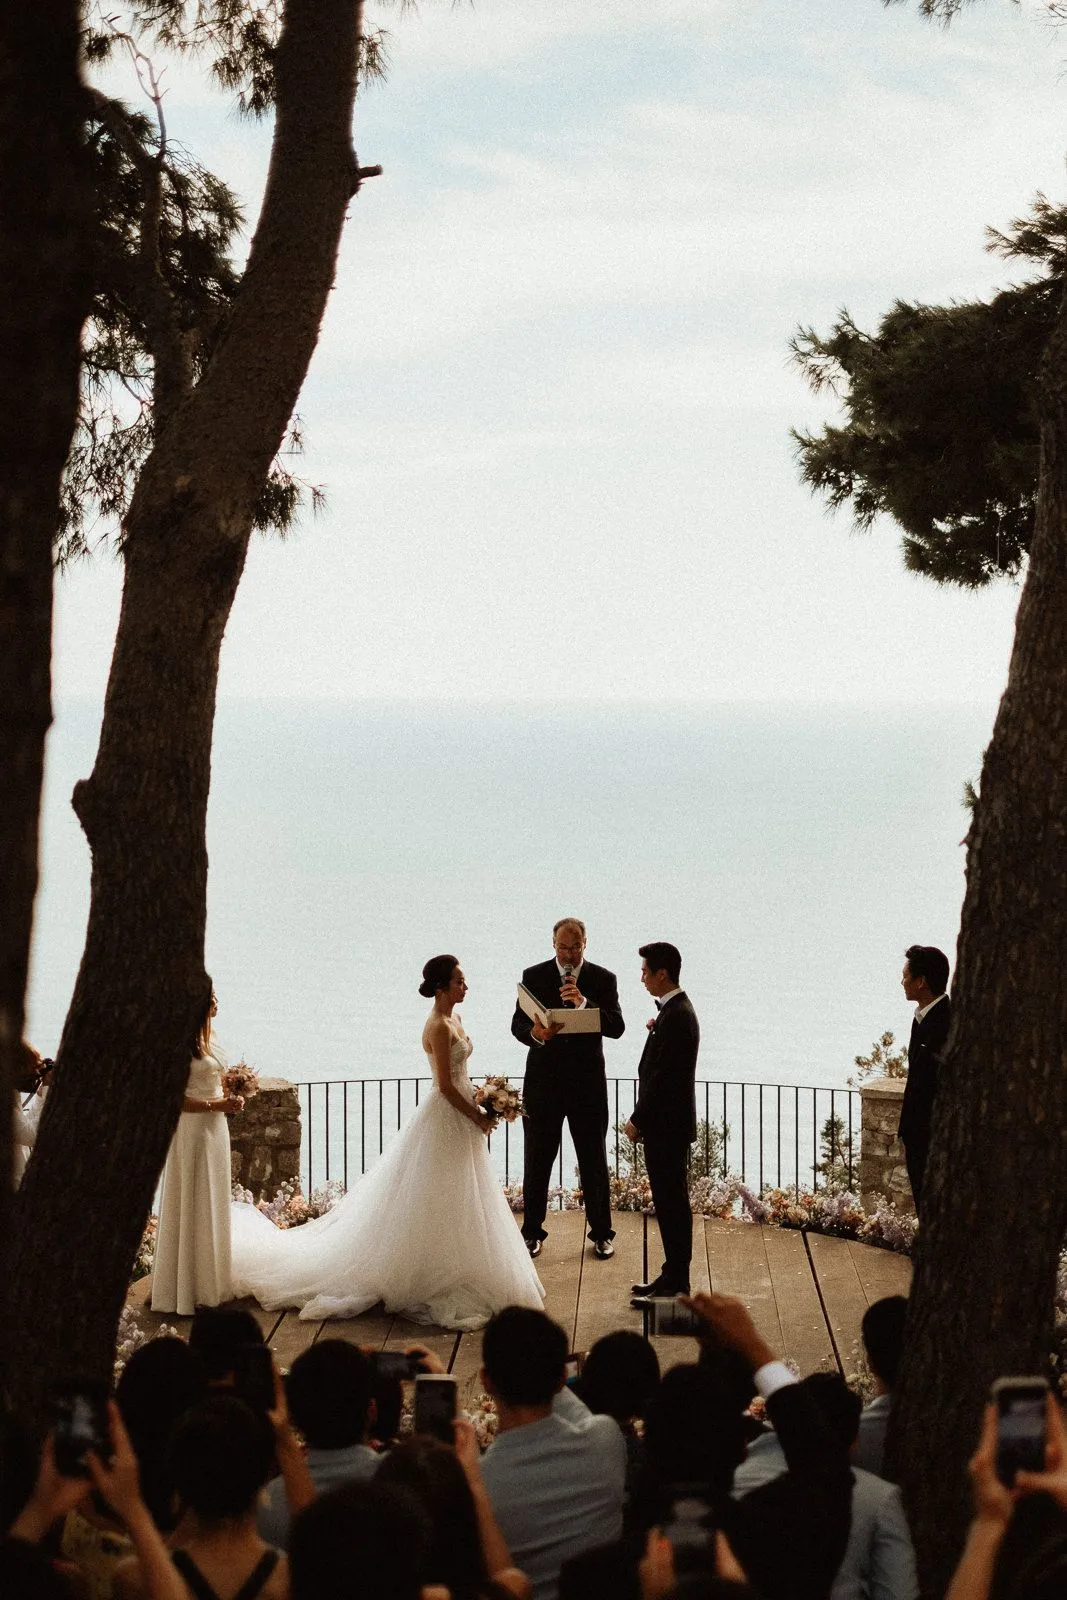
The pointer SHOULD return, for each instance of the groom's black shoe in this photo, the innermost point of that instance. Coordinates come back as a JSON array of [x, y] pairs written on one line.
[[534, 1247], [659, 1289], [603, 1249]]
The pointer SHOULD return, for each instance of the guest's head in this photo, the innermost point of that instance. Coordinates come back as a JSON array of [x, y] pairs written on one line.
[[694, 1432], [925, 973], [620, 1376], [361, 1541], [28, 1067], [883, 1337], [160, 1382], [442, 975], [839, 1406], [217, 1336], [568, 941], [329, 1394], [431, 1472], [661, 964], [524, 1357], [221, 1454]]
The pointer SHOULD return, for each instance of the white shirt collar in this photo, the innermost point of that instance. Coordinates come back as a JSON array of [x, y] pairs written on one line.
[[921, 1011], [663, 998], [575, 968]]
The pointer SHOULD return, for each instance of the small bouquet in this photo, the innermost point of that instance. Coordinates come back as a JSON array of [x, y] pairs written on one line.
[[240, 1079], [500, 1099]]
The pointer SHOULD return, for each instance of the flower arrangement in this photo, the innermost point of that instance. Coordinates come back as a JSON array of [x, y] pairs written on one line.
[[289, 1208], [240, 1079], [130, 1336], [146, 1250], [500, 1099]]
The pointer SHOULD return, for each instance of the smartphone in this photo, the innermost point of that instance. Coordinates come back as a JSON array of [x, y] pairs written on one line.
[[395, 1364], [253, 1376], [573, 1368], [435, 1405], [80, 1424], [667, 1316], [1021, 1426]]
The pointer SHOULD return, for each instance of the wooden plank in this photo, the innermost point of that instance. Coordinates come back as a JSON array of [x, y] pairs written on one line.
[[737, 1261], [404, 1332], [604, 1303], [881, 1272], [291, 1338], [843, 1297], [371, 1329], [673, 1352], [559, 1267], [805, 1337]]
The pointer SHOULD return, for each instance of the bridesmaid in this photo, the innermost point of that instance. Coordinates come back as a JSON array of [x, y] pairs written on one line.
[[192, 1263]]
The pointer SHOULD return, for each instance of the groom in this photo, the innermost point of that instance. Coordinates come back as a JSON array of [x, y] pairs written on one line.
[[664, 1118], [565, 1082]]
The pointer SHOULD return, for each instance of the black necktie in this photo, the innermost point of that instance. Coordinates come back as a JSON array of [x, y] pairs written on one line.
[[659, 1005]]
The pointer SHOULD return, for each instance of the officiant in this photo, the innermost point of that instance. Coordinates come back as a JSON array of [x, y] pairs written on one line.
[[565, 1082]]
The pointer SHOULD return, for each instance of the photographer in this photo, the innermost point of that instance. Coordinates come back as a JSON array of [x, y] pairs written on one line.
[[34, 1077]]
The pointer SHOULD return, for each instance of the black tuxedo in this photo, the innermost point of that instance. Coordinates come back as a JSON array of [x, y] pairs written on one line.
[[565, 1082], [925, 1048], [665, 1116]]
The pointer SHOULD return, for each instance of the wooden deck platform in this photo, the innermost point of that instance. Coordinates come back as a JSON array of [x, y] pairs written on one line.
[[807, 1294]]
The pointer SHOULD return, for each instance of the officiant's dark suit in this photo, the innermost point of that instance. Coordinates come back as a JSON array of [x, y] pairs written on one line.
[[929, 1035], [565, 1083], [665, 1117]]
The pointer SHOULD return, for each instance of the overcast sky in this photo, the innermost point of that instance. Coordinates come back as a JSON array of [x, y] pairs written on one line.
[[551, 403]]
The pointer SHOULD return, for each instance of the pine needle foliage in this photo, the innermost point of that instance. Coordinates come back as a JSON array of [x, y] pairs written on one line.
[[940, 428]]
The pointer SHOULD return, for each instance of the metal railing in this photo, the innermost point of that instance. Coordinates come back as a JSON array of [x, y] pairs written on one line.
[[768, 1134]]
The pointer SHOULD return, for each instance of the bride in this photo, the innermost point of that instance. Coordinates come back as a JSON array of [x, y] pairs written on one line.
[[427, 1230]]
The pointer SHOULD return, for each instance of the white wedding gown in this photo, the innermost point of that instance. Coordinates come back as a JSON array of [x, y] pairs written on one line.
[[427, 1230]]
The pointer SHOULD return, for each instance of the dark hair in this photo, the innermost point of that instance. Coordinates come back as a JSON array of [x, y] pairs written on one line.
[[620, 1376], [202, 1033], [926, 961], [524, 1354], [221, 1454], [159, 1383], [661, 957], [329, 1394], [437, 974], [431, 1471], [883, 1336], [839, 1406], [694, 1432], [218, 1333], [361, 1541]]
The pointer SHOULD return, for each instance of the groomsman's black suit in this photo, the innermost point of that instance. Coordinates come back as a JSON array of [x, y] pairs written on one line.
[[928, 1039], [665, 1116], [565, 1081]]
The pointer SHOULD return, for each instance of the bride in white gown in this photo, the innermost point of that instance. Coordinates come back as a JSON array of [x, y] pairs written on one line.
[[427, 1230]]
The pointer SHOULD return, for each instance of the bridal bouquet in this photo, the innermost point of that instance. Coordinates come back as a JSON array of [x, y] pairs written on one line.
[[240, 1079], [500, 1099]]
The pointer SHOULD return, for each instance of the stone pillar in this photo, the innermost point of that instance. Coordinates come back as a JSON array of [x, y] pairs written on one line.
[[265, 1139], [882, 1169]]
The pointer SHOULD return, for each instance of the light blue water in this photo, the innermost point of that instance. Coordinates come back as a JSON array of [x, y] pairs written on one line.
[[791, 854]]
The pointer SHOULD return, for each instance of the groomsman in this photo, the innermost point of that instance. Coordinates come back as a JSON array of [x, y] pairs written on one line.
[[665, 1117], [924, 981], [565, 1082]]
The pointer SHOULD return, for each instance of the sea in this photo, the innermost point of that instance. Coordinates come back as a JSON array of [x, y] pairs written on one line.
[[791, 852]]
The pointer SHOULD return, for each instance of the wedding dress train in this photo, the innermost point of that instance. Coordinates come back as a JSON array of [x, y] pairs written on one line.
[[427, 1230]]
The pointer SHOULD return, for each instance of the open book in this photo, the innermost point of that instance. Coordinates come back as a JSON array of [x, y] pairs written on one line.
[[585, 1021]]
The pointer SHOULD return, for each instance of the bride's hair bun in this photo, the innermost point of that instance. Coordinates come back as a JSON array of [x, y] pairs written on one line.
[[437, 974]]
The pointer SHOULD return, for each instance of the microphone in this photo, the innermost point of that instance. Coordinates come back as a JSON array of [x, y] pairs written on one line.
[[568, 973]]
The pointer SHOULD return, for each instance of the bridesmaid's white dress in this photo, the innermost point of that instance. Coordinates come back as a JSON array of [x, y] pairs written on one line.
[[427, 1231], [192, 1261]]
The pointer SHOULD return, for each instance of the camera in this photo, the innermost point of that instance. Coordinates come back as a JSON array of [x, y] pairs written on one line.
[[435, 1405], [1021, 1426], [396, 1364], [691, 1529], [669, 1317], [80, 1423]]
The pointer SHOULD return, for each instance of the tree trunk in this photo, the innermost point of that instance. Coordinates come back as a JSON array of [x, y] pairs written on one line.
[[43, 298], [142, 989], [995, 1197]]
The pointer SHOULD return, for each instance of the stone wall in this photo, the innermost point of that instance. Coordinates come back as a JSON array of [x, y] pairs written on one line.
[[265, 1139], [882, 1169]]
